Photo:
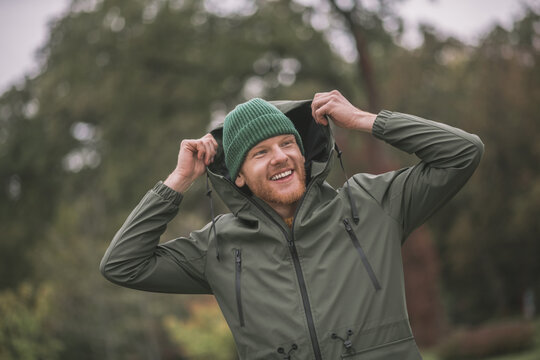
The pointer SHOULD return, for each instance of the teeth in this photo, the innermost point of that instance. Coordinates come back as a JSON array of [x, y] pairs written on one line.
[[281, 175]]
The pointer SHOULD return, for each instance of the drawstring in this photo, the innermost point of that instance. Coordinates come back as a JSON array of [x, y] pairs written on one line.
[[287, 355], [346, 342], [354, 211], [209, 194]]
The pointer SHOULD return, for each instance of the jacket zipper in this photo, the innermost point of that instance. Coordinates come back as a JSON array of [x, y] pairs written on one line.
[[363, 256], [298, 271], [305, 299], [238, 284]]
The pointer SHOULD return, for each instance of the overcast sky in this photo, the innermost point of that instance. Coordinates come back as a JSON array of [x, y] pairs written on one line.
[[23, 25]]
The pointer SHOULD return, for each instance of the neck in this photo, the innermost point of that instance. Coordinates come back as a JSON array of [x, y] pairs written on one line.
[[284, 210]]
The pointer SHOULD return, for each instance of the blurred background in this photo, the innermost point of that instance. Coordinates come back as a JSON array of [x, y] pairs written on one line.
[[97, 117]]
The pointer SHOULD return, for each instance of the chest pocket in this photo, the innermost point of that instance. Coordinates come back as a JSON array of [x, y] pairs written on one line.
[[238, 284], [362, 254]]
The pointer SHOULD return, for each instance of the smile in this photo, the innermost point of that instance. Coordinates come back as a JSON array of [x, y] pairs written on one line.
[[281, 175]]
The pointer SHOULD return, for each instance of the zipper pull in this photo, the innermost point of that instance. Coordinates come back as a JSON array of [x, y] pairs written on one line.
[[347, 225], [290, 242], [238, 257]]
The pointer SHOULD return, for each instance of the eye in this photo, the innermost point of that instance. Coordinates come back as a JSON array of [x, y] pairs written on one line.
[[287, 142], [259, 153]]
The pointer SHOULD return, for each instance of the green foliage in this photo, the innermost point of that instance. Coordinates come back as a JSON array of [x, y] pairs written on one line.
[[25, 329], [204, 335], [488, 234], [124, 81]]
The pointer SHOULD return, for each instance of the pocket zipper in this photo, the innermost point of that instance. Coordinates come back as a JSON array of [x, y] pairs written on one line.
[[238, 284], [363, 256]]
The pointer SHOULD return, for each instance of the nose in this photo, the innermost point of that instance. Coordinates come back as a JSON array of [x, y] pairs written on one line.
[[278, 156]]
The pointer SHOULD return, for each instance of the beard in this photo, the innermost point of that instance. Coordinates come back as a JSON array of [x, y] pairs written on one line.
[[272, 195]]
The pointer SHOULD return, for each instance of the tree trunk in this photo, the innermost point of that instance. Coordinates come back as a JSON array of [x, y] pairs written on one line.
[[420, 257]]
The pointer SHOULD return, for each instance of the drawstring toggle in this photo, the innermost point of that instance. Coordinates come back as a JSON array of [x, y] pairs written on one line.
[[287, 355], [346, 342]]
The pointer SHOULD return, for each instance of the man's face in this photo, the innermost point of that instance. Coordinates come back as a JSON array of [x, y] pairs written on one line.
[[274, 171]]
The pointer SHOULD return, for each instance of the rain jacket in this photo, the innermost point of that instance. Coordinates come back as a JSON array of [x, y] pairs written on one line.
[[331, 287]]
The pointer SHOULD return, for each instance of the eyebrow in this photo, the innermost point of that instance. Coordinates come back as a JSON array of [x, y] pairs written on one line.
[[256, 149]]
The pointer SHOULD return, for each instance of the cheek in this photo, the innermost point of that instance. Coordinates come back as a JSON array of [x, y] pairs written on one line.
[[252, 172]]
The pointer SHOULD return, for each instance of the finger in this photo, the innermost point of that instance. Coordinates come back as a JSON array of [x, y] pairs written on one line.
[[322, 113], [189, 145], [320, 100], [208, 138], [200, 150], [209, 152], [212, 141], [315, 103]]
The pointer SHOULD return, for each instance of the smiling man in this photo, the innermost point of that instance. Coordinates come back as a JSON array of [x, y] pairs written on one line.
[[300, 270]]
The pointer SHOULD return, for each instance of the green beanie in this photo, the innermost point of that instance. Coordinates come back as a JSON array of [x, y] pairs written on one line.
[[249, 124]]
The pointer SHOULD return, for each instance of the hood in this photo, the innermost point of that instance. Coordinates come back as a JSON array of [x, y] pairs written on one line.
[[318, 148]]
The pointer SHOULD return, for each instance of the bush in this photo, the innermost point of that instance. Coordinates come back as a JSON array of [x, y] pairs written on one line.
[[488, 340], [204, 335], [24, 324]]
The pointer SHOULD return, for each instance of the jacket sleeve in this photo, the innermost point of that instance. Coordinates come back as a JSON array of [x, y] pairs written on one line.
[[135, 259], [448, 157]]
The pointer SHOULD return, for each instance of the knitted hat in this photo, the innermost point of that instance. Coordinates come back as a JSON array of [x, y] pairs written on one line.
[[247, 125]]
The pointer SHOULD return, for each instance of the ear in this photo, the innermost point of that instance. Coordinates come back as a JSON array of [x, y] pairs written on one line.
[[240, 180]]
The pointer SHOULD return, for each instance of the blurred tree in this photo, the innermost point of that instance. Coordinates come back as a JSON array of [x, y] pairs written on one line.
[[30, 179], [488, 235], [122, 83], [374, 28], [494, 239]]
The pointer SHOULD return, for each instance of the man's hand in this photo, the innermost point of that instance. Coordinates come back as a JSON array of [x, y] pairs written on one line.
[[341, 111], [193, 157]]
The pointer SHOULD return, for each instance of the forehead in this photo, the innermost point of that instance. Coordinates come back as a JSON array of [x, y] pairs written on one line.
[[274, 139]]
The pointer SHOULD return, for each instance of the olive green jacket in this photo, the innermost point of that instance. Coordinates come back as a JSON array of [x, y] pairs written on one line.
[[330, 287]]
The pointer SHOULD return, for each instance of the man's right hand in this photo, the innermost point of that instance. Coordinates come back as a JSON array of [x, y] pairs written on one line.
[[193, 157]]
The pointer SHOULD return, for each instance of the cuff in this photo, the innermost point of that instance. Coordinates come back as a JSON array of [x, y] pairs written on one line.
[[167, 194], [379, 125]]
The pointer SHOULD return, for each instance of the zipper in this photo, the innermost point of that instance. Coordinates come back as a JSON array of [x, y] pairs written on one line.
[[301, 280], [297, 268], [238, 284], [363, 256], [305, 299]]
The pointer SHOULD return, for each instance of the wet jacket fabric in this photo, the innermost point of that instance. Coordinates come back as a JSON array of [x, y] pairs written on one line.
[[331, 287]]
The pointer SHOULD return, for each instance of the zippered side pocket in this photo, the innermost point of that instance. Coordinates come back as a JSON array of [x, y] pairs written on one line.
[[363, 256], [238, 284]]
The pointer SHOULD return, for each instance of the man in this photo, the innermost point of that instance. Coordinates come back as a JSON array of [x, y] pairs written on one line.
[[299, 269]]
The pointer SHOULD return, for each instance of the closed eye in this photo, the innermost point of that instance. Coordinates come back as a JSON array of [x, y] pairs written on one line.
[[288, 142], [258, 153]]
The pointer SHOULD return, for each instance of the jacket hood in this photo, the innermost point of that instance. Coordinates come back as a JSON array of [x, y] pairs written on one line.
[[318, 148]]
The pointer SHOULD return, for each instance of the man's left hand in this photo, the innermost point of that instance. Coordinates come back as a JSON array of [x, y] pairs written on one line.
[[334, 105]]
